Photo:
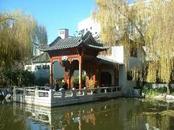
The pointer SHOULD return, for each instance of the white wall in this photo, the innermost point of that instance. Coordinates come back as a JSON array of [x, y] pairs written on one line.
[[118, 54], [89, 24], [58, 70], [126, 85], [64, 33], [122, 76], [39, 69], [136, 61], [41, 72]]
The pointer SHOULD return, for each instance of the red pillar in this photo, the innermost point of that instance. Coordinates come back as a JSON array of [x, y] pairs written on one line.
[[69, 84], [99, 75], [80, 72], [95, 74], [51, 72], [69, 76]]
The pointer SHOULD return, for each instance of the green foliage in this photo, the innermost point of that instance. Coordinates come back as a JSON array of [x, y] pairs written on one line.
[[151, 92], [147, 23], [18, 33], [76, 80], [18, 78], [16, 30]]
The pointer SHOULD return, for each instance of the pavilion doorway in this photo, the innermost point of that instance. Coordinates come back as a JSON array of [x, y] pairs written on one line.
[[106, 79]]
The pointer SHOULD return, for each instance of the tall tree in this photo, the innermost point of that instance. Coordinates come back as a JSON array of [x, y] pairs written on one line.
[[118, 19], [18, 33], [147, 23], [121, 23], [40, 35], [160, 41], [16, 30]]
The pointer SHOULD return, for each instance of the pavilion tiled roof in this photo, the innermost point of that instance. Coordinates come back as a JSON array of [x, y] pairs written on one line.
[[72, 42]]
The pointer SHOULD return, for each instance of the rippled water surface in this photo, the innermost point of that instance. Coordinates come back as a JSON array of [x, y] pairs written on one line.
[[118, 114]]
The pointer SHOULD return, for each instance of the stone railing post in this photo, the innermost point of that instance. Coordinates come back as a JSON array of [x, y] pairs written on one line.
[[85, 91], [24, 91], [92, 92], [51, 96], [14, 93], [51, 93], [23, 95], [36, 92], [98, 90], [105, 90], [112, 89], [74, 92], [62, 90]]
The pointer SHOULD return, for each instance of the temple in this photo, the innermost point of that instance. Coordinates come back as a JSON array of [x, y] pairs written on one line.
[[80, 54]]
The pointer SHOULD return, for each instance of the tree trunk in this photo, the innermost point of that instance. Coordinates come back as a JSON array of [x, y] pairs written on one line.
[[168, 88]]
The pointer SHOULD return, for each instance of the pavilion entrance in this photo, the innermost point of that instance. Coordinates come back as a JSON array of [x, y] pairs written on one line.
[[106, 79]]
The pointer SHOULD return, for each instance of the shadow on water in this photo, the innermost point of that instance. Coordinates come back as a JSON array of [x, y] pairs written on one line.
[[119, 114]]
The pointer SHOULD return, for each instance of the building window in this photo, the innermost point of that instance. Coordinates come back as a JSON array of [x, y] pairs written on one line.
[[129, 75], [46, 67], [38, 67]]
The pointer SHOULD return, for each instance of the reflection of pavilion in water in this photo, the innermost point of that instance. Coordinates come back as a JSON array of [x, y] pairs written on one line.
[[102, 115], [72, 117], [115, 114], [60, 118]]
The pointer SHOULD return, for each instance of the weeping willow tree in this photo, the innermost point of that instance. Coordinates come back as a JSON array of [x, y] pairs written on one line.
[[160, 41], [18, 32], [122, 24], [148, 24], [15, 37], [119, 20], [109, 18]]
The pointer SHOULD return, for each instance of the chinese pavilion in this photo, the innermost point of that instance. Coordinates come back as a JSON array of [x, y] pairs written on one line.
[[80, 53]]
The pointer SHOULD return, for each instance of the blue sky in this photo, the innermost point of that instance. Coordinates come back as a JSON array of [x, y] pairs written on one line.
[[53, 14]]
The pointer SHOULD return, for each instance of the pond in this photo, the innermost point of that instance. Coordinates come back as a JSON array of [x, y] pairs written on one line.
[[117, 114]]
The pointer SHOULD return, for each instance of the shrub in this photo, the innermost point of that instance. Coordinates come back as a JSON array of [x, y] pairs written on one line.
[[17, 78], [76, 81], [149, 91]]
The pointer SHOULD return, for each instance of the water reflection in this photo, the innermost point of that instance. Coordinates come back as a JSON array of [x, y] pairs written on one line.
[[119, 114], [9, 120]]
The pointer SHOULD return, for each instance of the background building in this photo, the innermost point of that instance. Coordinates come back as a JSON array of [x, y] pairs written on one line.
[[89, 24]]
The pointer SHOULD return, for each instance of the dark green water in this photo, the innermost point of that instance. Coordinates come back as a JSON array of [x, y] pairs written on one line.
[[118, 114]]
